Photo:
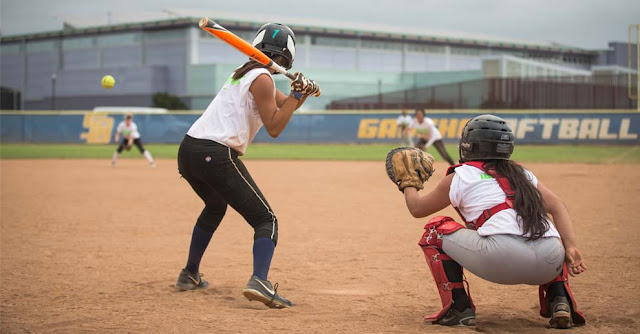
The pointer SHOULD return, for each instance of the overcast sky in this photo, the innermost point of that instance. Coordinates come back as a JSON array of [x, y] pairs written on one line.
[[583, 23]]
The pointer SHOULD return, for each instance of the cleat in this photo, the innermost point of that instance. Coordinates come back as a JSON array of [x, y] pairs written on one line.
[[262, 291], [454, 317], [561, 313], [190, 281], [153, 165]]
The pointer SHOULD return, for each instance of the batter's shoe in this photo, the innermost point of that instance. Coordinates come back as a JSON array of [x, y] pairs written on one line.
[[262, 291], [454, 317], [189, 281], [561, 313]]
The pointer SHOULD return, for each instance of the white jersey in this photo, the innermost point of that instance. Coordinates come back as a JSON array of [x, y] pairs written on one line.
[[473, 191], [232, 119], [404, 120], [426, 128], [128, 131]]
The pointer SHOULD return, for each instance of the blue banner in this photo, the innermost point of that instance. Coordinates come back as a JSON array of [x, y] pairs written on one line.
[[529, 128]]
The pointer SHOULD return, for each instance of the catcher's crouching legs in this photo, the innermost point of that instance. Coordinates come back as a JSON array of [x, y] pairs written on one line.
[[557, 302], [457, 306]]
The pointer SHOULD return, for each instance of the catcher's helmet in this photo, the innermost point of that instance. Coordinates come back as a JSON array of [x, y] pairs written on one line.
[[486, 137], [276, 39]]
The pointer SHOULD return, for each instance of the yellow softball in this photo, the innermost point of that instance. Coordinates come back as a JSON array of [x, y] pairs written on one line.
[[108, 81]]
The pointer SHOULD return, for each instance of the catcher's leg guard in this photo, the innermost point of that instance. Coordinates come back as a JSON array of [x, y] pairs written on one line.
[[431, 243], [546, 311]]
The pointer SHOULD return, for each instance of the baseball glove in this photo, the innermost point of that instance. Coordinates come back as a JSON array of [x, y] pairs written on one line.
[[409, 167]]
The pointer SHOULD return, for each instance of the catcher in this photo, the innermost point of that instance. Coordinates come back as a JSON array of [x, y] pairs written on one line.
[[508, 239]]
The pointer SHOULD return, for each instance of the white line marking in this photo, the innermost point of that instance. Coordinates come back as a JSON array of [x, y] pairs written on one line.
[[273, 228]]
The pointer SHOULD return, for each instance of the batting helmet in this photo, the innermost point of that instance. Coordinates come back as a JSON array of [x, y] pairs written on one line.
[[276, 39], [486, 137]]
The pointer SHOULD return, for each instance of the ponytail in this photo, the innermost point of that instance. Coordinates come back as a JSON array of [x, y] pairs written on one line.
[[528, 200]]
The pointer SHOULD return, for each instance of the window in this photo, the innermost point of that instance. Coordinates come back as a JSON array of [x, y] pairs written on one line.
[[331, 41], [381, 45], [119, 39], [41, 46], [426, 48], [164, 35], [78, 43], [9, 49]]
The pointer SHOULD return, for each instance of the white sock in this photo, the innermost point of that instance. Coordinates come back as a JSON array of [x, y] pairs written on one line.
[[147, 155], [115, 157]]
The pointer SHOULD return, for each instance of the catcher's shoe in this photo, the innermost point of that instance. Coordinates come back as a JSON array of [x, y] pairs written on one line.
[[454, 317], [262, 291], [189, 281], [560, 313]]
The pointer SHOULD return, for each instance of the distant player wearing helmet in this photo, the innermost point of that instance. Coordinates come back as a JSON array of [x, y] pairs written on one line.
[[428, 134], [130, 137], [208, 159], [508, 239]]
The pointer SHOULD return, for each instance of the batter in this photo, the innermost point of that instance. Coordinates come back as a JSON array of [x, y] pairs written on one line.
[[208, 158]]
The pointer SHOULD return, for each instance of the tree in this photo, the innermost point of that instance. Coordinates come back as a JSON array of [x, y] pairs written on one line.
[[168, 101]]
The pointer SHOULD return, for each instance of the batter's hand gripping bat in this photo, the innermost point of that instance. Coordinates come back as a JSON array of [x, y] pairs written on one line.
[[241, 45]]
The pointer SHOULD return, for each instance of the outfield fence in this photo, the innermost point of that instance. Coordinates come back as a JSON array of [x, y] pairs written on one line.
[[530, 126]]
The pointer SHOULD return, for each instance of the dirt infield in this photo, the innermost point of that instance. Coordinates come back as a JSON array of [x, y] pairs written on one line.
[[87, 248]]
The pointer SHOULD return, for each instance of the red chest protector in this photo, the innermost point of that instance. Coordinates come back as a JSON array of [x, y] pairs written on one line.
[[503, 182]]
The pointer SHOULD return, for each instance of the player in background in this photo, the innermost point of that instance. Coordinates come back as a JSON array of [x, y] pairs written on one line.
[[509, 238], [208, 159], [130, 137], [404, 124], [428, 135]]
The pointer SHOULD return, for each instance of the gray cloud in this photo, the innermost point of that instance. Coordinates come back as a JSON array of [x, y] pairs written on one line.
[[583, 23]]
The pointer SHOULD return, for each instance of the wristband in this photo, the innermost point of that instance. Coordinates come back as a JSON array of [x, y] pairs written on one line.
[[296, 95]]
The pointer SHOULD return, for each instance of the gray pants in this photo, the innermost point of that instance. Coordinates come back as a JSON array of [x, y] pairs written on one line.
[[506, 259]]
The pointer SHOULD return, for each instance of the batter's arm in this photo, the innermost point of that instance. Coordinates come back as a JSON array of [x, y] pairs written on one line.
[[274, 119], [434, 201], [281, 98], [562, 220]]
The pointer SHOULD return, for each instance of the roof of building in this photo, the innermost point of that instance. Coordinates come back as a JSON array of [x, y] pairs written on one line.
[[128, 21]]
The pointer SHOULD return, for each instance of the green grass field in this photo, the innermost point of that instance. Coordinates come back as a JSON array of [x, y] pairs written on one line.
[[368, 152]]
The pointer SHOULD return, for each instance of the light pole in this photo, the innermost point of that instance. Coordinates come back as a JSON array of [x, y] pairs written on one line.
[[53, 91]]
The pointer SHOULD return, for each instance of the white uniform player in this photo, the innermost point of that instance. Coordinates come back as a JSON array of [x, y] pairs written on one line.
[[130, 137], [428, 134], [509, 237], [404, 124]]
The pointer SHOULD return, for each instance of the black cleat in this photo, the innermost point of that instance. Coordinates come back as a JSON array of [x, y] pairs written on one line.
[[262, 291], [454, 317], [561, 313], [189, 281]]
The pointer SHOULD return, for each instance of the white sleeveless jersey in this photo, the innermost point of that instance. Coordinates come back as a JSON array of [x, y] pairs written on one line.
[[473, 191], [232, 119], [426, 127], [128, 131]]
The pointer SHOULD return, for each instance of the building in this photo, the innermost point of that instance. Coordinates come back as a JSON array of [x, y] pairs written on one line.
[[62, 69]]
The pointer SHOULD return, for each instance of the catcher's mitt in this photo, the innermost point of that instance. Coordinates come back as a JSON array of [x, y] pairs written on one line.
[[409, 167]]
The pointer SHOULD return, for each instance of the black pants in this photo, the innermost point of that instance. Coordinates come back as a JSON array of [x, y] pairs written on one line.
[[217, 175], [439, 145], [136, 142]]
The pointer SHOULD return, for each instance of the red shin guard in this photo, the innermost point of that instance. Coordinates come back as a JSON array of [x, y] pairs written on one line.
[[431, 243], [545, 311]]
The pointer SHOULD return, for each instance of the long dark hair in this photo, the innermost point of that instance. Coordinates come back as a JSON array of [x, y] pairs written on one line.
[[528, 201], [251, 64]]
